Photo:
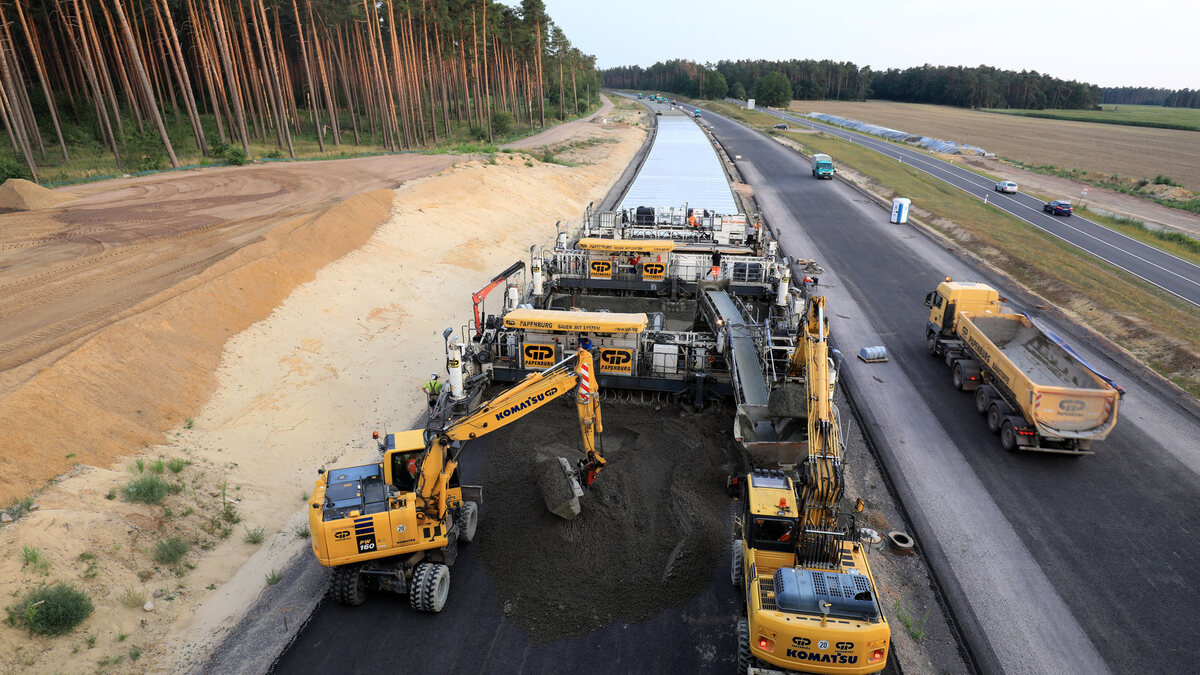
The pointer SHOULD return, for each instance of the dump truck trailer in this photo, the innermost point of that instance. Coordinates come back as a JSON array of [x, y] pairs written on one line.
[[1036, 393]]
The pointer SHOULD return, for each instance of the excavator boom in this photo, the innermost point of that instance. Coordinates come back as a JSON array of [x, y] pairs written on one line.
[[535, 391]]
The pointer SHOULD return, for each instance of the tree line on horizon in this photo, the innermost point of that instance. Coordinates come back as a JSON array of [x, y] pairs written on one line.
[[124, 75], [1168, 98], [809, 79]]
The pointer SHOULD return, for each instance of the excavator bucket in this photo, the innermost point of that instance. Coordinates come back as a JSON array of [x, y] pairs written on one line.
[[560, 487]]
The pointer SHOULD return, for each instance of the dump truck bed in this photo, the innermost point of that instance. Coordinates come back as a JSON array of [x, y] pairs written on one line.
[[1057, 393]]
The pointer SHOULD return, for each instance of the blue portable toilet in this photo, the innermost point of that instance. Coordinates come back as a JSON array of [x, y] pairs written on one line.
[[900, 207]]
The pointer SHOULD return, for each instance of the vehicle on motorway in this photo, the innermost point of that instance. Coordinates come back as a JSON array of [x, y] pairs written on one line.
[[1058, 208], [1006, 186], [822, 166], [781, 126], [696, 113], [1036, 391], [639, 97]]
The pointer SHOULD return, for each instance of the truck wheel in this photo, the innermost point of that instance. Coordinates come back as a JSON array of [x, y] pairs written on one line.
[[737, 569], [995, 416], [983, 399], [1008, 436], [430, 587], [957, 376], [931, 345], [744, 657], [470, 522], [349, 587]]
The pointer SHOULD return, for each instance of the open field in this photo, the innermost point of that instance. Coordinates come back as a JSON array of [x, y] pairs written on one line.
[[1187, 119], [1155, 327], [1102, 148]]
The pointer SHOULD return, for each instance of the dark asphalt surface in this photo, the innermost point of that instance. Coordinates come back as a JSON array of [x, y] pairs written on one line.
[[1170, 273], [472, 635], [1115, 533]]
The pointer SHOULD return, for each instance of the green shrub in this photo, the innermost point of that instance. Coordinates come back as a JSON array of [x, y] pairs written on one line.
[[147, 489], [1166, 180], [502, 123], [237, 156], [158, 466], [274, 154], [11, 168], [144, 151], [51, 610], [169, 551], [255, 536], [176, 465]]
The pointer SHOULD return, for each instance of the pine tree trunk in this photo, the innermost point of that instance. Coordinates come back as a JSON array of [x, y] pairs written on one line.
[[35, 54], [227, 62], [140, 69]]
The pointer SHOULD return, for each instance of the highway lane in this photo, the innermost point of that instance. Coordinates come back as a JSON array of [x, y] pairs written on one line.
[[1110, 534], [1159, 268]]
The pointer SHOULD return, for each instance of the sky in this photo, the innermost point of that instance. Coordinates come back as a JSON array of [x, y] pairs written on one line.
[[1152, 43]]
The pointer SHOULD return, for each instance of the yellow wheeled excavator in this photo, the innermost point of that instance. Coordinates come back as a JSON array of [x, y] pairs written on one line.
[[811, 601], [396, 525]]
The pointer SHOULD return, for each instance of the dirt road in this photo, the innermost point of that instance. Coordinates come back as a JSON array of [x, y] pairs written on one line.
[[66, 272], [562, 132]]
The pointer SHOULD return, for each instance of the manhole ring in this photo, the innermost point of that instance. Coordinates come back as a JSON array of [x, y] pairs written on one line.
[[900, 542]]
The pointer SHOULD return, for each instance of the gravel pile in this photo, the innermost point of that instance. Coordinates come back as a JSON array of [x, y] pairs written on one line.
[[652, 529]]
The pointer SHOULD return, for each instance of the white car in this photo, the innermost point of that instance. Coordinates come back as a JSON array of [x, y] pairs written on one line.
[[1006, 186]]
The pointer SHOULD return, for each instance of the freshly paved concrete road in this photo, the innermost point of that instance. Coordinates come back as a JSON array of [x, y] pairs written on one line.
[[1168, 272], [1051, 563]]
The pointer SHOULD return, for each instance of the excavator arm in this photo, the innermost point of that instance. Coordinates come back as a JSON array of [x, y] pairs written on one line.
[[536, 390], [823, 483]]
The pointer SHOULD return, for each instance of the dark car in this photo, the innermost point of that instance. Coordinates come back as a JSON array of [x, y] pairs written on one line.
[[1058, 208], [780, 126]]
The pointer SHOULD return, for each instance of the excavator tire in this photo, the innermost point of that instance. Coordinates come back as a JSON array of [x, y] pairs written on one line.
[[744, 657], [737, 569], [430, 587], [349, 587], [470, 522]]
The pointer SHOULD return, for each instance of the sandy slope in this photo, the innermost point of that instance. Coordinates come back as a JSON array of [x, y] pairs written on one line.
[[341, 355]]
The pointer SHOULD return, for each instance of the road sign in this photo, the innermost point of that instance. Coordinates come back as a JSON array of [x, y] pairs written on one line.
[[1083, 191]]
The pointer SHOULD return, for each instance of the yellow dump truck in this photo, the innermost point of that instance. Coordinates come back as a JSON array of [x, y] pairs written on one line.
[[1036, 392]]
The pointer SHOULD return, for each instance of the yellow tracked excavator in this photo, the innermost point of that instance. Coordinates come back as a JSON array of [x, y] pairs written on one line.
[[811, 602], [396, 525]]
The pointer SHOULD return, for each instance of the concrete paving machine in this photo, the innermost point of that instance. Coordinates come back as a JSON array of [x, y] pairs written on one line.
[[396, 525], [811, 600]]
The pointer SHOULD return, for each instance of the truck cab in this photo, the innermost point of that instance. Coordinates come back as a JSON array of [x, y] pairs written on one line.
[[822, 166], [952, 297]]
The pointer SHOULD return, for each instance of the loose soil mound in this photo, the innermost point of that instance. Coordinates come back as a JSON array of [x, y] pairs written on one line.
[[652, 529], [18, 194]]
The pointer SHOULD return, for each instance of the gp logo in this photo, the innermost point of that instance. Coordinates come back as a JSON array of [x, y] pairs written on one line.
[[616, 361], [538, 356], [601, 269], [341, 534], [1071, 405], [844, 646], [653, 271]]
